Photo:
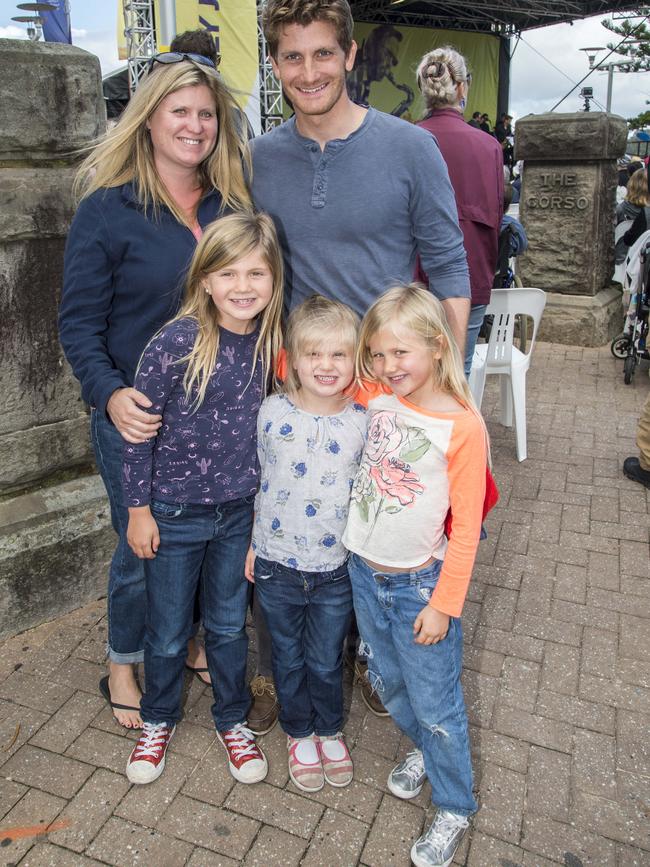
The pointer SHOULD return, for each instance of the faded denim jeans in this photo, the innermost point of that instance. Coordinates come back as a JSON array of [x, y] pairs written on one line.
[[418, 684], [476, 317]]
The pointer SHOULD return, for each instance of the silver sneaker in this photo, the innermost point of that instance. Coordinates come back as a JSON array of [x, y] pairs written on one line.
[[406, 779], [437, 847]]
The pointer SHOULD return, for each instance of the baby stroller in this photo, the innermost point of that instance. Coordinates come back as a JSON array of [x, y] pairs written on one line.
[[632, 345]]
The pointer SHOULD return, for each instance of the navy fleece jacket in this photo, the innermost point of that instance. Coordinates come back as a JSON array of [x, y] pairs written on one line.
[[123, 279]]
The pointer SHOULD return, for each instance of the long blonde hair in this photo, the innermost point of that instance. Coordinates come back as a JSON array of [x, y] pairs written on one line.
[[414, 308], [637, 189], [224, 242], [316, 320], [126, 154]]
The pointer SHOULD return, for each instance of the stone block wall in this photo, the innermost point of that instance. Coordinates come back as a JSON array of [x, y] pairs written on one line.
[[53, 551], [52, 106], [567, 207], [573, 230]]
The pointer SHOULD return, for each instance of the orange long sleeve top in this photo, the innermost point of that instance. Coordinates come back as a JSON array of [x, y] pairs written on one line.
[[417, 465]]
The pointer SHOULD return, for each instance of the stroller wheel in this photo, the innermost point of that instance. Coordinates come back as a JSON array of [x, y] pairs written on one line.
[[619, 346], [628, 369]]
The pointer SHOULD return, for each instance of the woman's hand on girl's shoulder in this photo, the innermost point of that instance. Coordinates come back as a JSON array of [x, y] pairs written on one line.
[[249, 568], [142, 533]]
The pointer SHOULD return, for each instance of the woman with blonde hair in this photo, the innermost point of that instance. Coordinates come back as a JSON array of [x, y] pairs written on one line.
[[172, 164], [475, 164], [636, 198]]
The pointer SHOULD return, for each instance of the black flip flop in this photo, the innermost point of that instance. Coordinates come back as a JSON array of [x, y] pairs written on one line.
[[106, 692], [197, 673]]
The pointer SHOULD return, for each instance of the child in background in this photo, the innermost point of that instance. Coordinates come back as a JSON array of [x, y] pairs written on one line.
[[190, 490], [310, 440], [426, 451]]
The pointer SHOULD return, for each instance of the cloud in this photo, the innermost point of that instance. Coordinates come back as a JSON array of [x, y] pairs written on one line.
[[13, 31], [535, 85], [103, 44]]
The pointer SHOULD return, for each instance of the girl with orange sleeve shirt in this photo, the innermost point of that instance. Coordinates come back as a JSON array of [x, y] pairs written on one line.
[[426, 453]]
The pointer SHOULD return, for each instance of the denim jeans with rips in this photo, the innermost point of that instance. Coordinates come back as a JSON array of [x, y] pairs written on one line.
[[203, 546], [308, 616], [418, 684]]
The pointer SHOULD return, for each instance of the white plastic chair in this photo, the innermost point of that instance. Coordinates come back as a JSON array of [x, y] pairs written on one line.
[[501, 357]]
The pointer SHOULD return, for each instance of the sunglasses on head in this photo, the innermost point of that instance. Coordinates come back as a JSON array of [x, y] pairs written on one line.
[[167, 57]]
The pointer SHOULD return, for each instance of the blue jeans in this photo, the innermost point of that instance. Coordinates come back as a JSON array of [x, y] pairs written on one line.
[[201, 546], [308, 615], [476, 317], [126, 590], [418, 684]]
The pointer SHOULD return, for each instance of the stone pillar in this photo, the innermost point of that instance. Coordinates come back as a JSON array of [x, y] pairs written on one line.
[[567, 207], [55, 534]]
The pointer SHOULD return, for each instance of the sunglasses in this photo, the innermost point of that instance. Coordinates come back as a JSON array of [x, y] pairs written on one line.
[[168, 57]]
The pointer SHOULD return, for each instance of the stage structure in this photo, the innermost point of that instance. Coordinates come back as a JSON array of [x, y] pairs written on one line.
[[491, 22], [152, 24], [391, 37], [140, 38], [271, 102]]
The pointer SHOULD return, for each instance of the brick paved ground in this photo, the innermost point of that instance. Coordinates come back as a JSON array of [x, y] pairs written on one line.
[[557, 679]]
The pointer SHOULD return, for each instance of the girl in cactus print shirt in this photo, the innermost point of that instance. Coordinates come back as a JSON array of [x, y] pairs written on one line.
[[190, 490], [309, 440]]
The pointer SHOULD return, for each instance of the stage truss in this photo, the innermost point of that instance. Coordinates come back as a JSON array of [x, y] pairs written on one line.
[[501, 17]]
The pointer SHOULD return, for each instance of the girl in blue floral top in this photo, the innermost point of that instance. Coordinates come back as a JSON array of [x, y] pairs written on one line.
[[309, 441]]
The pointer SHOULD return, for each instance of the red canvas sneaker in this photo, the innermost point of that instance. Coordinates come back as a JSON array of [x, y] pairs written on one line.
[[147, 760], [246, 761]]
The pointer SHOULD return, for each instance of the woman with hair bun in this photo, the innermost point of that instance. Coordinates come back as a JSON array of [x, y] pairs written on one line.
[[475, 164]]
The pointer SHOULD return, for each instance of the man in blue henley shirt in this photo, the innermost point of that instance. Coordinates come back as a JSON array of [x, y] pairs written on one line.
[[355, 193]]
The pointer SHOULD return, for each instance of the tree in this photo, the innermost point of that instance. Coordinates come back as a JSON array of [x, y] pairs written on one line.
[[640, 121], [637, 44]]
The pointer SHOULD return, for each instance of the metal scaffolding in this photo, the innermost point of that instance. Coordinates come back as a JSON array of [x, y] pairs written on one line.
[[271, 103], [140, 32], [502, 17]]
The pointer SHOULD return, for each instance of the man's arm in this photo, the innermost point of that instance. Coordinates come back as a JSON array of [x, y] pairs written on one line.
[[457, 312]]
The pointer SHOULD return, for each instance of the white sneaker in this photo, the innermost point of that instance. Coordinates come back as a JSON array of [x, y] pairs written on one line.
[[406, 779], [436, 848], [246, 761], [147, 760]]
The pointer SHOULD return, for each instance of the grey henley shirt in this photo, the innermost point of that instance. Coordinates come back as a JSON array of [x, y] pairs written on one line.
[[352, 218]]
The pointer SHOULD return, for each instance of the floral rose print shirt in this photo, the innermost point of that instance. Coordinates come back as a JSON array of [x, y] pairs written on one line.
[[416, 465], [307, 465]]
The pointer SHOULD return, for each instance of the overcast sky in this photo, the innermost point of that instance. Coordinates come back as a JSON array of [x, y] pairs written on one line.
[[535, 85]]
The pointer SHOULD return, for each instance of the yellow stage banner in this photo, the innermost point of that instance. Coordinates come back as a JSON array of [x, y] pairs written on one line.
[[388, 56], [233, 24]]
